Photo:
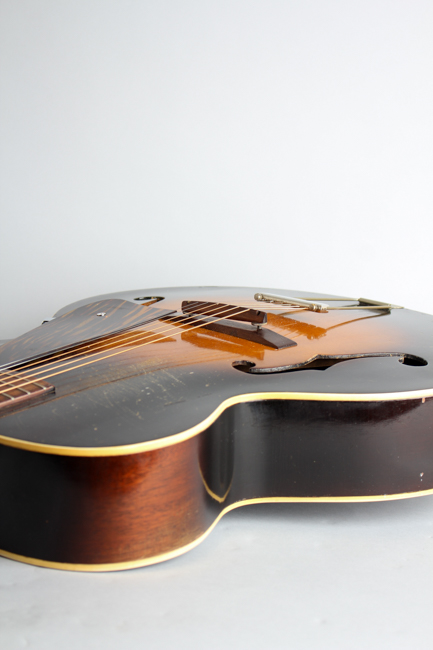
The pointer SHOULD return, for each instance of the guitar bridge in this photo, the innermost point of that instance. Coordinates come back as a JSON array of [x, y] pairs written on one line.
[[219, 317]]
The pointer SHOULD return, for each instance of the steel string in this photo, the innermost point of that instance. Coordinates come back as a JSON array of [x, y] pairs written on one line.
[[145, 338]]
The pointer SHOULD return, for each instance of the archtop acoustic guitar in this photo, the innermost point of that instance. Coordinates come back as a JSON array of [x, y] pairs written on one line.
[[130, 423]]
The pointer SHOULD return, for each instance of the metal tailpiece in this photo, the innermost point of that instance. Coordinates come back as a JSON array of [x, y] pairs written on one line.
[[286, 300]]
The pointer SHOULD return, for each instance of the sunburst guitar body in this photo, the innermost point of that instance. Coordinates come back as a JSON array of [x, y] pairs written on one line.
[[130, 423]]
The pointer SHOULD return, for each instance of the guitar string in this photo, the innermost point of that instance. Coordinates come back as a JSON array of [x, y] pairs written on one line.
[[107, 341], [147, 342], [80, 348], [134, 337], [137, 338], [97, 347], [180, 321], [103, 341]]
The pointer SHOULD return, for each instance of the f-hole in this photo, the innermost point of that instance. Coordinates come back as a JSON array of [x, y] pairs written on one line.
[[323, 363]]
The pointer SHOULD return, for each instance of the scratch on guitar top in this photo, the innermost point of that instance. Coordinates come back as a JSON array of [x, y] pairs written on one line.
[[136, 414], [174, 378], [109, 401]]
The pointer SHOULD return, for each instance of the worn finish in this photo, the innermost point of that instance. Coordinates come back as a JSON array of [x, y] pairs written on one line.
[[154, 432]]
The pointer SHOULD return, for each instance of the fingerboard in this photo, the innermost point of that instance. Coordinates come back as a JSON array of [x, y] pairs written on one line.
[[12, 396]]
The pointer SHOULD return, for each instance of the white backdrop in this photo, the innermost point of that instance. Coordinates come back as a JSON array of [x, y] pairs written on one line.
[[260, 143], [284, 143]]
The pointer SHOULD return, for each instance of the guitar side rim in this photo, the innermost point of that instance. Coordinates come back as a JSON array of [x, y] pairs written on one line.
[[160, 443], [163, 557]]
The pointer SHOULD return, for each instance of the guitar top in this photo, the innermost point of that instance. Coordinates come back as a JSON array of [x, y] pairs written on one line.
[[130, 423]]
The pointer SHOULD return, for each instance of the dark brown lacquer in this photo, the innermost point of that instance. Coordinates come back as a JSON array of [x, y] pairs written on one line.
[[130, 423]]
